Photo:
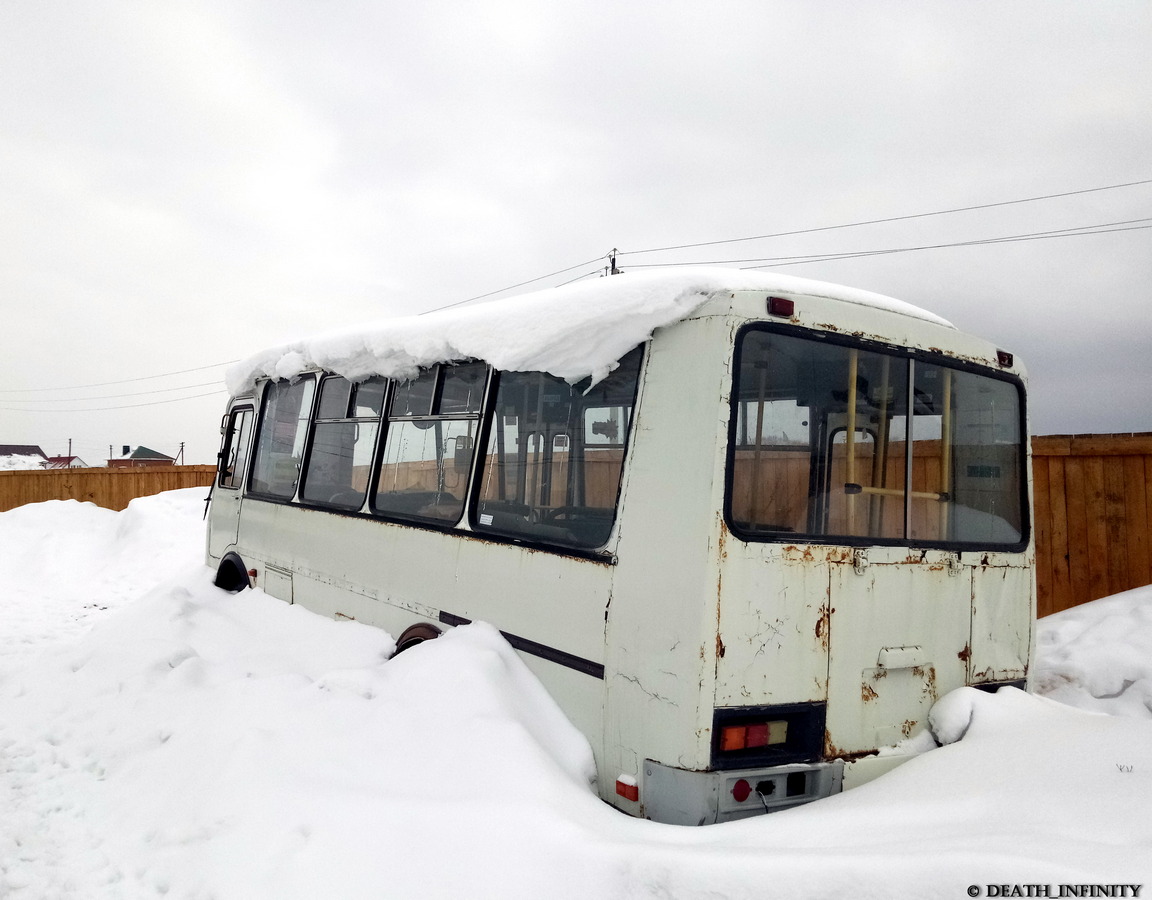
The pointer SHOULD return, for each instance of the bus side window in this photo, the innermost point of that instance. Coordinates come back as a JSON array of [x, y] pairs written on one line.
[[343, 441], [234, 454], [433, 421], [284, 416], [551, 471]]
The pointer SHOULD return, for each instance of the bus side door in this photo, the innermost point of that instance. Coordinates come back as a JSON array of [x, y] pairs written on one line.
[[231, 474]]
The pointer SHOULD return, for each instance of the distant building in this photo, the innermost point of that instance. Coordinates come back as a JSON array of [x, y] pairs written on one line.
[[65, 462], [141, 456], [21, 456]]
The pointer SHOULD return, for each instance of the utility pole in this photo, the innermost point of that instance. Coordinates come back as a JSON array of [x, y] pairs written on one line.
[[180, 455]]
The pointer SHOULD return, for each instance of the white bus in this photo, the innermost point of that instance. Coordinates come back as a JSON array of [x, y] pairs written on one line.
[[745, 528]]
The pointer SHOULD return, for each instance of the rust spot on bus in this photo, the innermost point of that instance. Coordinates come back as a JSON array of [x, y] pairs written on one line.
[[965, 654], [824, 626], [906, 728], [792, 553], [831, 751], [867, 694], [719, 646]]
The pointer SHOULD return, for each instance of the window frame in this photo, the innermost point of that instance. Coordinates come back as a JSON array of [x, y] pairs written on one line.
[[236, 484], [432, 417], [261, 424], [542, 540], [315, 420], [897, 352]]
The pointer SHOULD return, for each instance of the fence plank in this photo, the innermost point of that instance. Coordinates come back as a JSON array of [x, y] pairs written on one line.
[[1042, 519], [1061, 562], [1097, 529], [1136, 499], [1115, 521], [1076, 493]]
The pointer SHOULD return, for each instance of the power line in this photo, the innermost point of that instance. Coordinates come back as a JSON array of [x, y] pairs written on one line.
[[596, 271], [511, 286], [186, 387], [1078, 231], [125, 406], [832, 257], [938, 212], [76, 387]]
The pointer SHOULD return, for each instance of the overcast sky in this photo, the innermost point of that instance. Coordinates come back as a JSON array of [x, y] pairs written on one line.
[[186, 183]]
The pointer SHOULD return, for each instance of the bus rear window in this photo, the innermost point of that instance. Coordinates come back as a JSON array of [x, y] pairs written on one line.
[[551, 470], [832, 440]]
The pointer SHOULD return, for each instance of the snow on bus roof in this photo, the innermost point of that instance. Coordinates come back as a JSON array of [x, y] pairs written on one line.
[[572, 332]]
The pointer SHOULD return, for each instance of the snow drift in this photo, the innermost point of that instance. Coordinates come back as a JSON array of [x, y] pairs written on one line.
[[159, 737]]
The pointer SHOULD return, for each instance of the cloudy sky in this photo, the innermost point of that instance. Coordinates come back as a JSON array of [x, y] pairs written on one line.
[[186, 183]]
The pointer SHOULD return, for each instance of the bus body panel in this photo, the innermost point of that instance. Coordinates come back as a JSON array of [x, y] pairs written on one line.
[[352, 567], [661, 635], [899, 629], [774, 620], [1003, 636]]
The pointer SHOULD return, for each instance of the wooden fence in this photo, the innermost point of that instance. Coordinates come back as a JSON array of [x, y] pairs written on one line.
[[110, 488], [1093, 498]]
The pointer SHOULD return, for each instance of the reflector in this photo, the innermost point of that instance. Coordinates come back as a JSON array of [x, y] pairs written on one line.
[[626, 790], [781, 306]]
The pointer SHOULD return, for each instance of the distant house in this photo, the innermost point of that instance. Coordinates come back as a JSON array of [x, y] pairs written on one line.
[[65, 462], [141, 456], [21, 456]]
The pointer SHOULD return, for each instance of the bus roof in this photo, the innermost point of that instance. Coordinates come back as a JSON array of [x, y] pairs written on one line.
[[572, 332]]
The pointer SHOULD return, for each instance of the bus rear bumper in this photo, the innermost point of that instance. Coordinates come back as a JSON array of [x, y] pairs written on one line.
[[681, 797]]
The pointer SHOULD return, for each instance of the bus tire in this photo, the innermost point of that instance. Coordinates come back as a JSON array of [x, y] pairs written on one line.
[[416, 634], [232, 576]]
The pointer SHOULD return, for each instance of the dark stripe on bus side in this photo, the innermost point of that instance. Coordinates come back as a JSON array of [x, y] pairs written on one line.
[[596, 670]]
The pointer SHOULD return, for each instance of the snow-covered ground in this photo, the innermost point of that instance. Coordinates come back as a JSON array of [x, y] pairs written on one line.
[[159, 737]]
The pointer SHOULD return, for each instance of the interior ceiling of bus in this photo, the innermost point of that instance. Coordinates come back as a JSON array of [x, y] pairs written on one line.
[[573, 332]]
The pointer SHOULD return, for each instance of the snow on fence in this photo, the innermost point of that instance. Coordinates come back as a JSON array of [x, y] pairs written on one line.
[[1093, 499], [110, 488]]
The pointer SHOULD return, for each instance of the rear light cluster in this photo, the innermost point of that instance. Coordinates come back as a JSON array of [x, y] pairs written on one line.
[[747, 736], [752, 735]]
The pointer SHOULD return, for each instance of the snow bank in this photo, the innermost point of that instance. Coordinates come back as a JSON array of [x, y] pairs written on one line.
[[1098, 656], [63, 561], [199, 744], [572, 332], [203, 744]]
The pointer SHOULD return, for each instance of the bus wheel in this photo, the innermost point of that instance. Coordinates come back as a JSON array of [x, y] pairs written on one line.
[[416, 634], [232, 576]]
